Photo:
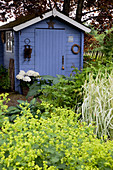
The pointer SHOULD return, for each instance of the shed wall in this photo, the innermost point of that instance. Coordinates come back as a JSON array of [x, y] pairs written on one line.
[[1, 51], [70, 58], [16, 59]]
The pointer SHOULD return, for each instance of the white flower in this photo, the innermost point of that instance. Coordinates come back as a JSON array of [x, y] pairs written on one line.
[[35, 74], [30, 73], [27, 79], [22, 72], [20, 77]]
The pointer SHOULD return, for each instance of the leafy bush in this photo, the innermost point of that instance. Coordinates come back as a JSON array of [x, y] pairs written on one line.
[[45, 109], [4, 78], [14, 111], [64, 91], [3, 107], [108, 44], [35, 89], [59, 142], [97, 105], [61, 94]]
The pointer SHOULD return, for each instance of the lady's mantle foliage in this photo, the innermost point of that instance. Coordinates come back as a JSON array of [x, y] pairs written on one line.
[[57, 142]]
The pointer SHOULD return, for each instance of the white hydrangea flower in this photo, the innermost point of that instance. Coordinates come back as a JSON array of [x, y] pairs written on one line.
[[35, 74], [20, 77], [22, 72], [30, 73], [27, 79]]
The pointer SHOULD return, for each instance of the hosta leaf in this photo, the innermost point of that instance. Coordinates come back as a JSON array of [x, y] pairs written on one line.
[[47, 77], [21, 102], [33, 101], [33, 91], [11, 108], [13, 117]]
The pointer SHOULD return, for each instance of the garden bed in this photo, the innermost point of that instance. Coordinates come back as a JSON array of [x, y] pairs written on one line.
[[14, 96]]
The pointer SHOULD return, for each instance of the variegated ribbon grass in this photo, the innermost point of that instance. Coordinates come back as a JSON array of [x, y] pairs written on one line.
[[97, 107]]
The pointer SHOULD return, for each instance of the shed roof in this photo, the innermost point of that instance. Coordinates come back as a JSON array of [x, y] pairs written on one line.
[[28, 20]]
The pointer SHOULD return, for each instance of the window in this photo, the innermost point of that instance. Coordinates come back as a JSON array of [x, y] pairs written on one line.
[[9, 38]]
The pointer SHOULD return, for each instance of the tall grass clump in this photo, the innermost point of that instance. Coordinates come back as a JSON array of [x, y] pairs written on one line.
[[97, 107]]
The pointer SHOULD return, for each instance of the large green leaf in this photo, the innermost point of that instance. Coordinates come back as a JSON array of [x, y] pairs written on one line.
[[21, 102], [47, 77], [33, 91], [33, 101], [13, 117], [12, 110], [56, 80]]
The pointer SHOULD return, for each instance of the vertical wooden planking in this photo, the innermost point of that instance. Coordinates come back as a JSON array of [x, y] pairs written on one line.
[[82, 50], [51, 49], [57, 54]]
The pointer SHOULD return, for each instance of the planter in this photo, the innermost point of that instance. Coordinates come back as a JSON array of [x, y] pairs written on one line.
[[25, 90]]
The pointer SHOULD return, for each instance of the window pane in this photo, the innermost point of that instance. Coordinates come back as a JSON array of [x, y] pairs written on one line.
[[9, 41]]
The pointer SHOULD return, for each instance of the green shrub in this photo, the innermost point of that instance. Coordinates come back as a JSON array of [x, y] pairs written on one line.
[[97, 104], [14, 111], [108, 45], [4, 78], [3, 107], [59, 142], [45, 109], [64, 91]]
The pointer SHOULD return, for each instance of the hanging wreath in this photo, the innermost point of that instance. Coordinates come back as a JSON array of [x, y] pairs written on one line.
[[72, 48]]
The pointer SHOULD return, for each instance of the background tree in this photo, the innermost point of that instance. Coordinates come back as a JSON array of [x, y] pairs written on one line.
[[91, 43], [99, 11]]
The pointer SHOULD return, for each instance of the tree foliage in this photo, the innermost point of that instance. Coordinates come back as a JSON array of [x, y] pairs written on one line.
[[99, 11], [90, 43]]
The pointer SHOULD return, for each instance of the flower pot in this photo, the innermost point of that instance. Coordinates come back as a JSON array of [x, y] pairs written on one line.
[[25, 90]]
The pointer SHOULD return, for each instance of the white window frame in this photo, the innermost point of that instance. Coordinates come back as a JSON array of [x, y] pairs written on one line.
[[9, 41]]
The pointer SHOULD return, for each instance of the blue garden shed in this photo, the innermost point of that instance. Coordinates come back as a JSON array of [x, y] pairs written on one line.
[[49, 44]]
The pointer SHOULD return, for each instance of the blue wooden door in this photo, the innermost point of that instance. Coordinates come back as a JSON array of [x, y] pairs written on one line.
[[49, 49]]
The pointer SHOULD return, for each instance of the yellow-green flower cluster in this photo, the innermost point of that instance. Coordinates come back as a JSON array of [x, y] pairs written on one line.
[[57, 142]]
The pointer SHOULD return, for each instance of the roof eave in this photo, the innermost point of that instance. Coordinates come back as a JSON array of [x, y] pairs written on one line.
[[32, 21], [73, 22], [54, 13], [6, 29]]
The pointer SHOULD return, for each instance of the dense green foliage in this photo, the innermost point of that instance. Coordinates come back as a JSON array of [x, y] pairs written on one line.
[[4, 78], [3, 107], [58, 142], [64, 91], [108, 44], [14, 111], [102, 43]]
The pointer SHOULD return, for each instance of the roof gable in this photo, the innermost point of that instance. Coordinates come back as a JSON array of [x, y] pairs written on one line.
[[17, 26]]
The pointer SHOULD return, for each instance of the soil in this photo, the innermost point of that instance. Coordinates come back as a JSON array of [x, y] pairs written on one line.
[[14, 96]]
